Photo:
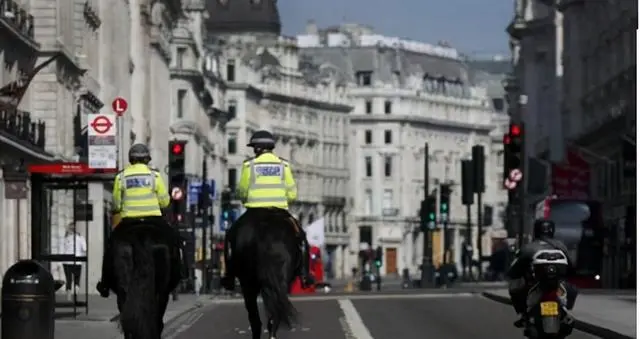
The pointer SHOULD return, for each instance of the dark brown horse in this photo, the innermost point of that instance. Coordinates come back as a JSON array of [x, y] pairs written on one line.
[[266, 259], [146, 266]]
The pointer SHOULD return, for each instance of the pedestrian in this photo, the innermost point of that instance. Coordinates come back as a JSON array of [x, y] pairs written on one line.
[[76, 245]]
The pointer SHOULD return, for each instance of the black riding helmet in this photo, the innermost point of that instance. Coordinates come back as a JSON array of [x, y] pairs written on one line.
[[543, 228], [139, 154], [262, 140]]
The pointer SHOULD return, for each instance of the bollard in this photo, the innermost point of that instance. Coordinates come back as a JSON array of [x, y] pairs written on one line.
[[28, 302]]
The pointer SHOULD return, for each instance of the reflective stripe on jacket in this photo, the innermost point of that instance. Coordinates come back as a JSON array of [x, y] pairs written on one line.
[[139, 191], [267, 181]]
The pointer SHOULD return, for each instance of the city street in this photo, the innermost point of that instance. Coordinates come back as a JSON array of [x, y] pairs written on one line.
[[434, 315]]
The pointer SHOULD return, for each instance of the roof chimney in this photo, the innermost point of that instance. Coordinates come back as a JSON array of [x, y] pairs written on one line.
[[312, 28]]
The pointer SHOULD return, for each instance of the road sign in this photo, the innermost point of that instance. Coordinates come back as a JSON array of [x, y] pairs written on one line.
[[101, 125], [195, 187], [176, 193], [119, 106], [102, 135], [515, 175]]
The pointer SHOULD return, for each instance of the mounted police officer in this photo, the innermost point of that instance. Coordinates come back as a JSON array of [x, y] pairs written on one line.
[[139, 193], [266, 181], [520, 279]]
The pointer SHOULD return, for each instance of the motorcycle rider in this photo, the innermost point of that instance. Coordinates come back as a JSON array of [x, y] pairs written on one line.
[[266, 191], [138, 192], [519, 276]]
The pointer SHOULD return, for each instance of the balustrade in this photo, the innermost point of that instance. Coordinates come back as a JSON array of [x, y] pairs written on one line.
[[17, 17], [20, 125]]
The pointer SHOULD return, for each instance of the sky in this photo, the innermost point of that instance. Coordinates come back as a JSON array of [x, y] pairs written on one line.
[[475, 27]]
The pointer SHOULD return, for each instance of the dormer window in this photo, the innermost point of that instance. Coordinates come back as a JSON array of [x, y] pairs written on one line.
[[364, 78]]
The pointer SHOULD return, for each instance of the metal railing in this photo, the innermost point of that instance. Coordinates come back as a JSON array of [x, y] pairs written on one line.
[[17, 17], [19, 124]]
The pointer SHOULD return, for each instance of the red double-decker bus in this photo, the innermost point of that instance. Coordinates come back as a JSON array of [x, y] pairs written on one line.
[[580, 225]]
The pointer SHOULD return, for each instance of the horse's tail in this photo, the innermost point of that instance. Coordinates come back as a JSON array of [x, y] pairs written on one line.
[[139, 312], [275, 287]]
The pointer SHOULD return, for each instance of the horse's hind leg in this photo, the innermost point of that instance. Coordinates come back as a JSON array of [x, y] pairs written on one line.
[[163, 301], [272, 327], [251, 304]]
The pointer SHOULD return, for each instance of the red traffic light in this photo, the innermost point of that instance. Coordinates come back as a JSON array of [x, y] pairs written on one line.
[[506, 139], [515, 130], [177, 149]]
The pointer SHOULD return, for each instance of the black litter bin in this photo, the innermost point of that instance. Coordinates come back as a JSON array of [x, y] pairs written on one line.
[[216, 277], [28, 302]]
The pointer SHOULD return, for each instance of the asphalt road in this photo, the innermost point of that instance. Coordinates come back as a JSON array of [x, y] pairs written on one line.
[[436, 315]]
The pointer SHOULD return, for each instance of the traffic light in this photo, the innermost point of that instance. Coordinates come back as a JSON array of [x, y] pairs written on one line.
[[445, 193], [428, 213], [225, 202], [177, 177], [379, 256], [513, 152], [176, 162]]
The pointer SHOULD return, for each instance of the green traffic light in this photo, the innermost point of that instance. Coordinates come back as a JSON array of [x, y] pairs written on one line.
[[432, 216], [443, 207], [378, 263]]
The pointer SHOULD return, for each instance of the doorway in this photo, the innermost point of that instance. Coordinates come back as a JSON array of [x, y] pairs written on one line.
[[391, 260]]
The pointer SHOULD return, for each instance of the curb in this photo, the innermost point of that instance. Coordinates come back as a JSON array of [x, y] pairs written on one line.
[[580, 325]]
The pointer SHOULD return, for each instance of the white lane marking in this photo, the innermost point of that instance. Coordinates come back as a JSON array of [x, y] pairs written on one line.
[[354, 322], [362, 297]]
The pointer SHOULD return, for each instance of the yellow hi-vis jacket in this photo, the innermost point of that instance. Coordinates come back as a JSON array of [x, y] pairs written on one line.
[[266, 181], [138, 191]]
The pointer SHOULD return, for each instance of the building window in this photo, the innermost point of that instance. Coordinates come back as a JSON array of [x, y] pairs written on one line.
[[368, 106], [232, 176], [368, 137], [367, 166], [387, 199], [232, 145], [387, 107], [498, 104], [365, 234], [364, 78], [387, 137], [388, 166], [231, 70], [181, 53], [368, 201], [182, 98], [231, 109]]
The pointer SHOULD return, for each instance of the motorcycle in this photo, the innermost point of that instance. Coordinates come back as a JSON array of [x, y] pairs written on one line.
[[549, 301]]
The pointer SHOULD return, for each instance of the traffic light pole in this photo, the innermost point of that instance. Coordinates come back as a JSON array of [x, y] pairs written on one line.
[[479, 236], [427, 241], [203, 209], [468, 243]]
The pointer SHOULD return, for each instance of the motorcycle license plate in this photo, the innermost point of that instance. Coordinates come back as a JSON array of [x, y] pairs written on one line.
[[549, 308]]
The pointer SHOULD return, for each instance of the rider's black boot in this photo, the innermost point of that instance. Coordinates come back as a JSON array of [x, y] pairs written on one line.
[[305, 276], [228, 281], [103, 286]]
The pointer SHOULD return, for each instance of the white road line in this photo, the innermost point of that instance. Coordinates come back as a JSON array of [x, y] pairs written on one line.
[[363, 297], [354, 322]]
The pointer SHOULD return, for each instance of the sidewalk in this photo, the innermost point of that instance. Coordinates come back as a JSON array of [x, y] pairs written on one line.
[[606, 316], [102, 320]]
